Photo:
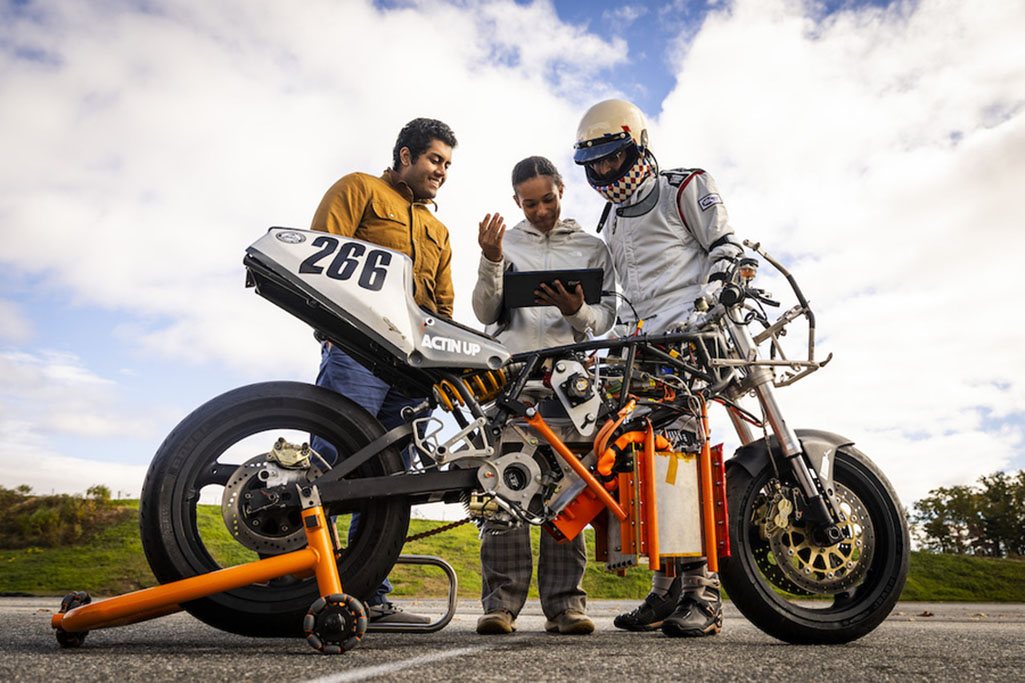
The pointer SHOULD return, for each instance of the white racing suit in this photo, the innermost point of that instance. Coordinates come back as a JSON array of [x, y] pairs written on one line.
[[668, 241]]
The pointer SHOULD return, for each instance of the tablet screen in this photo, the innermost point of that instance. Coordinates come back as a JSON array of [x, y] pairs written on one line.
[[518, 286]]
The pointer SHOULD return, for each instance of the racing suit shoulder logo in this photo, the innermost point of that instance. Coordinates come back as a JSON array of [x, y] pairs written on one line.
[[709, 200]]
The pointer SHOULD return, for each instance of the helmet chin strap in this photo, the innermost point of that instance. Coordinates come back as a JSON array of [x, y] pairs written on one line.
[[622, 189]]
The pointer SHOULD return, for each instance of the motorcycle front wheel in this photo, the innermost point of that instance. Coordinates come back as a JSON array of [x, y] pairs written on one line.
[[797, 591], [206, 464]]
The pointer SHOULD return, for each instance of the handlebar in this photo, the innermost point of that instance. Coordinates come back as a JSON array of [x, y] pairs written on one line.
[[733, 294]]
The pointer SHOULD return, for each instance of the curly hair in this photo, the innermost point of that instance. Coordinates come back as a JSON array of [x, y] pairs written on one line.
[[417, 135], [532, 167]]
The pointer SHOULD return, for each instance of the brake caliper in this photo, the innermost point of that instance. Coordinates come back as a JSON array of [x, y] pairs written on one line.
[[289, 455]]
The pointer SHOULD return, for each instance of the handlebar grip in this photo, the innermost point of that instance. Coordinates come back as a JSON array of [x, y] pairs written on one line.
[[730, 295]]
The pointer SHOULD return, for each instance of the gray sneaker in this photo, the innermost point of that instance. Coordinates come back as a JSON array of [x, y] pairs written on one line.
[[387, 613], [570, 623], [496, 623]]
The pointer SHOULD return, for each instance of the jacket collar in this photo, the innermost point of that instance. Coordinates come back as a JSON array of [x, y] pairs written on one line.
[[564, 226], [392, 178]]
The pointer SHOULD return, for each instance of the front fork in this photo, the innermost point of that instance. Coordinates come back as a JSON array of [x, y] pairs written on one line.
[[822, 509]]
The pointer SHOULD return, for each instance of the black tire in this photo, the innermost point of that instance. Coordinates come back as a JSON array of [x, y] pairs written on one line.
[[839, 618], [188, 460]]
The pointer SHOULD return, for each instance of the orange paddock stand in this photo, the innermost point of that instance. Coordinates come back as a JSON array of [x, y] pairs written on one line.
[[154, 602]]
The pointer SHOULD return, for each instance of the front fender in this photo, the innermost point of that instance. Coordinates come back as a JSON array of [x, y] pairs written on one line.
[[820, 447]]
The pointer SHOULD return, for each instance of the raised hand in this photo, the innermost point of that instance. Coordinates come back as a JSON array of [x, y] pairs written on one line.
[[492, 228]]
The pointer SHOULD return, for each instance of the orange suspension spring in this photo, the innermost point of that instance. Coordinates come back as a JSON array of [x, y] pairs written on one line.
[[483, 385]]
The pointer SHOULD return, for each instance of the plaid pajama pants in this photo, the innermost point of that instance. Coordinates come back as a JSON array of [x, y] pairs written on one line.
[[507, 564]]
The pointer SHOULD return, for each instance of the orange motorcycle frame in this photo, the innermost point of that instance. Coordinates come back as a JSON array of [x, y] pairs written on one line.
[[639, 506]]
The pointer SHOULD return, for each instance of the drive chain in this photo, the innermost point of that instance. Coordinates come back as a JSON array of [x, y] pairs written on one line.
[[440, 529]]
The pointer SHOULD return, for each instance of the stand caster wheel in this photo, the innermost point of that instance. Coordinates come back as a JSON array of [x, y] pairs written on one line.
[[335, 624], [70, 602]]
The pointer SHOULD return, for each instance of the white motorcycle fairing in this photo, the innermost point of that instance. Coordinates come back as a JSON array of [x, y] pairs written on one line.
[[354, 292]]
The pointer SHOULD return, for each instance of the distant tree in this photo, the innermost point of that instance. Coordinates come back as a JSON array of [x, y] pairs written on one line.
[[99, 493], [985, 519], [23, 489], [1002, 509], [947, 520]]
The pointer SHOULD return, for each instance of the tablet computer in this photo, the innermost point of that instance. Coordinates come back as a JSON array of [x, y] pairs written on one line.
[[518, 286]]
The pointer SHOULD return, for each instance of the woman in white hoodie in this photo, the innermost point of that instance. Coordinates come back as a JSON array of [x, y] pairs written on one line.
[[542, 241]]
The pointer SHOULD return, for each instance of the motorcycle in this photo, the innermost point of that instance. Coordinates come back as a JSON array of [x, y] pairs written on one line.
[[808, 535]]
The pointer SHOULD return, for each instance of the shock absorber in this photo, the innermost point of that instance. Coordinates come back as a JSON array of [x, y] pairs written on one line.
[[484, 385]]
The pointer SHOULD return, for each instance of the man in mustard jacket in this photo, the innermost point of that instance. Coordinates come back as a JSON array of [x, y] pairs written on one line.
[[393, 211]]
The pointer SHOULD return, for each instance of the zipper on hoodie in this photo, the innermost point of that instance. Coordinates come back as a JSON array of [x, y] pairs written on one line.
[[541, 311]]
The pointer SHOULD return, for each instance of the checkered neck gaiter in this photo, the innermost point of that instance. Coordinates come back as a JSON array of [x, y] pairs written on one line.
[[621, 190]]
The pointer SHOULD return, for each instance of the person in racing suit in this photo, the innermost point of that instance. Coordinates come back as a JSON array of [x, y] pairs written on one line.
[[671, 243], [542, 241]]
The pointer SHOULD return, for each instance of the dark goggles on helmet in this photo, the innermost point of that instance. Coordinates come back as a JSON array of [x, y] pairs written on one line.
[[618, 161], [592, 150]]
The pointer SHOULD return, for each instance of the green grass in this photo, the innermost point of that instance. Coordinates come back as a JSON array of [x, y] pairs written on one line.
[[110, 564], [113, 563], [960, 578]]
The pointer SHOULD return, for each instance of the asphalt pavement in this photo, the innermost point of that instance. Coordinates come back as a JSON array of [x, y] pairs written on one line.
[[919, 641]]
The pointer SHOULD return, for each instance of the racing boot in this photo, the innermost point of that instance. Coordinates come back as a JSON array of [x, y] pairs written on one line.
[[699, 612], [649, 614]]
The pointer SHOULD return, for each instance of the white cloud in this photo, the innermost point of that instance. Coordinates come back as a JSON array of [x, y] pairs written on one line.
[[15, 327], [46, 472], [38, 373], [52, 393], [624, 15], [881, 151]]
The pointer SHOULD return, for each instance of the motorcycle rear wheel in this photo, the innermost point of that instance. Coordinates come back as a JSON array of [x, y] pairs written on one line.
[[793, 610], [195, 462]]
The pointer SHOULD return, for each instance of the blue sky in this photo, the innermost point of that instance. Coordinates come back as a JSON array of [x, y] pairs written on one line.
[[878, 147], [652, 33]]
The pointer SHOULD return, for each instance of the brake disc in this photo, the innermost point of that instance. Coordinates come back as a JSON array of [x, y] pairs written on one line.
[[761, 551], [258, 514], [826, 570]]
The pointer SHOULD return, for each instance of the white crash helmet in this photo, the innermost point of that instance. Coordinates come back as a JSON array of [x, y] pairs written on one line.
[[607, 128]]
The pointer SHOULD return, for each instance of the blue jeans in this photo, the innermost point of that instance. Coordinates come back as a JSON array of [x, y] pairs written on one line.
[[340, 373]]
